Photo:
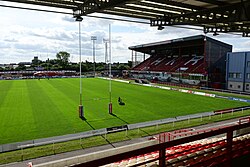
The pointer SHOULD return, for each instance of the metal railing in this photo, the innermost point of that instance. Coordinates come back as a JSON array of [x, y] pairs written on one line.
[[226, 91], [104, 131], [161, 148]]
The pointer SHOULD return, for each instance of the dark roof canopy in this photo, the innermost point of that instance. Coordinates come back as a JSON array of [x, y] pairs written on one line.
[[163, 47], [213, 15]]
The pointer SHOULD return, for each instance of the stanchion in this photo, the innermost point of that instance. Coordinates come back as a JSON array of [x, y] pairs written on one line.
[[81, 114], [110, 108]]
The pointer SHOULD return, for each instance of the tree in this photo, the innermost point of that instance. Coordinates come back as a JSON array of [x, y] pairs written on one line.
[[123, 67], [52, 61], [63, 58], [55, 67], [20, 67], [35, 61], [74, 66], [130, 64]]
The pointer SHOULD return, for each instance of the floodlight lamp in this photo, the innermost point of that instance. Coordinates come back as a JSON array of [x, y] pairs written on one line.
[[93, 38], [160, 27], [79, 18], [246, 34]]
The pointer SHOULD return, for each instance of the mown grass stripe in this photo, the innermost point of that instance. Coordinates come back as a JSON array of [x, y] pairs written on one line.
[[16, 114], [51, 106], [66, 105]]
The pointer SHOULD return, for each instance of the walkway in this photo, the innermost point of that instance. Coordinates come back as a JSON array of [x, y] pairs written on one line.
[[99, 148]]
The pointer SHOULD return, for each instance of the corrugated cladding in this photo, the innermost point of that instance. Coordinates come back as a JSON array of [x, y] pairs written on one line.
[[236, 64], [216, 52], [248, 67]]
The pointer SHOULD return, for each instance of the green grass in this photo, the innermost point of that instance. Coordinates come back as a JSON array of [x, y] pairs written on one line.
[[32, 109], [51, 149]]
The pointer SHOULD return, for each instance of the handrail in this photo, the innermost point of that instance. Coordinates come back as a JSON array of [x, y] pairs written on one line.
[[162, 147], [52, 140]]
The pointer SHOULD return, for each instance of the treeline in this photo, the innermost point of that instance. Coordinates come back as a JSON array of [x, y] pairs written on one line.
[[62, 63]]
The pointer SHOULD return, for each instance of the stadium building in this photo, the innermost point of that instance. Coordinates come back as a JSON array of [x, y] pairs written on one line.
[[238, 71], [196, 60]]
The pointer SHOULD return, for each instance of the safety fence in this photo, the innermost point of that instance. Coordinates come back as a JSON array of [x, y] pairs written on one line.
[[226, 91], [202, 88], [203, 93], [195, 150], [177, 134]]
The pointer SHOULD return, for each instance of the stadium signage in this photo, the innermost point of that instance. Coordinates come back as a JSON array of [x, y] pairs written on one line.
[[117, 128], [238, 99], [223, 97], [194, 92], [184, 91], [233, 98]]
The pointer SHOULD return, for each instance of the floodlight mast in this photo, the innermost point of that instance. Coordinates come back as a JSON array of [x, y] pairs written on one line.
[[93, 38], [110, 74], [106, 51], [81, 110], [80, 61]]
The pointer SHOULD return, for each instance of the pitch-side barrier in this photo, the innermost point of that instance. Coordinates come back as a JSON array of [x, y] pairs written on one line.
[[105, 131]]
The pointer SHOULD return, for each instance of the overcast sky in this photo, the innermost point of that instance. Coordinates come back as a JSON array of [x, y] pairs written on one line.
[[25, 34]]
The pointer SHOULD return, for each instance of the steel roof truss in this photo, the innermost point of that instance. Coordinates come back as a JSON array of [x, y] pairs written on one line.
[[214, 2], [49, 3], [160, 7], [131, 13], [91, 6], [227, 14], [179, 4], [126, 14], [244, 28], [145, 10]]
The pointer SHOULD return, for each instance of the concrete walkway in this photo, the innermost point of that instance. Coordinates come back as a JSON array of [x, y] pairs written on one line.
[[99, 148]]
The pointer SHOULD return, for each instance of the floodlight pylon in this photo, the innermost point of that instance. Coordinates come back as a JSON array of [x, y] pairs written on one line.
[[81, 109]]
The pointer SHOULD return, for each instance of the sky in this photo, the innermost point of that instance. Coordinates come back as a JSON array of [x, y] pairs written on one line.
[[25, 34]]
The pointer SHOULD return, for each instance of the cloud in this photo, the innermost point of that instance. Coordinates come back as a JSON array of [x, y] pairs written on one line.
[[55, 33], [4, 45], [23, 36], [246, 44], [243, 46], [10, 40], [29, 47], [68, 19]]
